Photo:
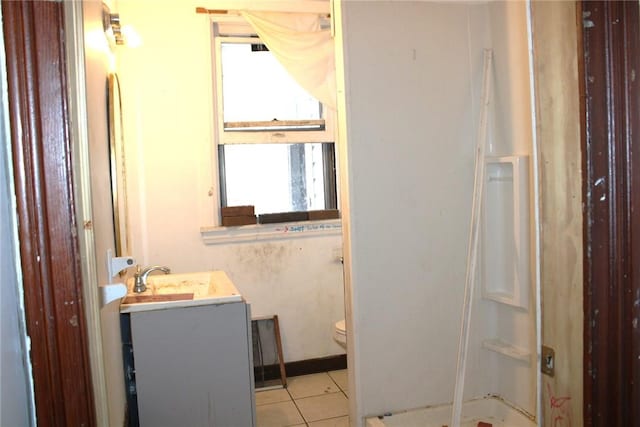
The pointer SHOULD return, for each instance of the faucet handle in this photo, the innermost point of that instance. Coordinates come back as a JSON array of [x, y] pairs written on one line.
[[139, 285]]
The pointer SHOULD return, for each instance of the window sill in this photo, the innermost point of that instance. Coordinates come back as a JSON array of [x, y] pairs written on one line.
[[257, 232]]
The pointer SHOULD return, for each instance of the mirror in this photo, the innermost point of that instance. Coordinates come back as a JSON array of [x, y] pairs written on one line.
[[268, 360], [117, 165]]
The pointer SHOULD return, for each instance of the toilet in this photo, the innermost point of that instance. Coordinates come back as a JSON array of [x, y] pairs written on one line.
[[340, 333]]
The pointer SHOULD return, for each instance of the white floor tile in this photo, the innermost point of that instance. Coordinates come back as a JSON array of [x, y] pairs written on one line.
[[272, 396], [331, 422], [324, 406], [311, 385], [279, 414], [340, 378]]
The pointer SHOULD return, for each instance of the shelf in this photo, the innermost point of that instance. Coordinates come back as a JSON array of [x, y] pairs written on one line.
[[505, 232], [500, 346]]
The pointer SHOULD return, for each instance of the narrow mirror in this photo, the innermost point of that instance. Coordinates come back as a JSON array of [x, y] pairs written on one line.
[[117, 165]]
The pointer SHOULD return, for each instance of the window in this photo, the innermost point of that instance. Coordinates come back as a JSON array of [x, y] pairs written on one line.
[[275, 141]]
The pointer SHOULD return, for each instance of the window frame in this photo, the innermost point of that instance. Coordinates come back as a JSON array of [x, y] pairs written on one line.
[[329, 172], [222, 137]]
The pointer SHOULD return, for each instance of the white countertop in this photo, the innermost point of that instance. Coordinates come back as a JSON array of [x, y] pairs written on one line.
[[207, 287]]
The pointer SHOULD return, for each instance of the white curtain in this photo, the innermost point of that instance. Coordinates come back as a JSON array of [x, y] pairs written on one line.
[[304, 49]]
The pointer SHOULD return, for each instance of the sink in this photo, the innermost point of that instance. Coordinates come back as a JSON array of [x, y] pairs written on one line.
[[181, 290]]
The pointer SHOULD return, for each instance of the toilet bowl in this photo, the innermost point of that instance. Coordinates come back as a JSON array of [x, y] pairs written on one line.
[[340, 333]]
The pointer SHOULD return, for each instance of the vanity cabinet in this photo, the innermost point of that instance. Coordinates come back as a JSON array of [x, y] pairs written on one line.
[[192, 366]]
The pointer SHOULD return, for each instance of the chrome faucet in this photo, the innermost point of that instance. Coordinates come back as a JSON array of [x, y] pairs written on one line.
[[141, 277]]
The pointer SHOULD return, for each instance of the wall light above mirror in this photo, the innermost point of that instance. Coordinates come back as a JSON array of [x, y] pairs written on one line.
[[120, 35]]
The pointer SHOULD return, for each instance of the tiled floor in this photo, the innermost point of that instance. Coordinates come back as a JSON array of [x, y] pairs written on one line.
[[317, 400]]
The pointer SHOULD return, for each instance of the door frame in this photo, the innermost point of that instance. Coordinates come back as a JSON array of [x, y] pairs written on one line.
[[611, 190], [79, 130], [51, 260]]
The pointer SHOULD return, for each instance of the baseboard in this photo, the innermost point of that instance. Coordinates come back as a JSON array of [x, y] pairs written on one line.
[[301, 367]]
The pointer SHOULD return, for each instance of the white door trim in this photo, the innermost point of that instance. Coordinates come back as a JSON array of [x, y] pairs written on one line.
[[76, 75]]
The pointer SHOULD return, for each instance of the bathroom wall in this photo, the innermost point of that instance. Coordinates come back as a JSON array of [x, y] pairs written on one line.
[[411, 117], [98, 63], [407, 100], [16, 397], [172, 182]]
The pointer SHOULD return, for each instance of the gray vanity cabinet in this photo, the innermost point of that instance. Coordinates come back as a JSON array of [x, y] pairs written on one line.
[[193, 366]]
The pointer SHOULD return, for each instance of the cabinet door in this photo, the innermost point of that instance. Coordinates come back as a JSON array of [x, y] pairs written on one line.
[[193, 366]]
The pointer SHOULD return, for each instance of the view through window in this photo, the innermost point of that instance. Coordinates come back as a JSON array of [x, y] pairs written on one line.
[[275, 145]]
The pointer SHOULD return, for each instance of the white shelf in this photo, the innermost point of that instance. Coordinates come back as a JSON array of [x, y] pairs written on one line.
[[505, 232], [500, 346]]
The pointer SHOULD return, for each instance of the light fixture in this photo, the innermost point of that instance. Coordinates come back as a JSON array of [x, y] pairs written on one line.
[[111, 25]]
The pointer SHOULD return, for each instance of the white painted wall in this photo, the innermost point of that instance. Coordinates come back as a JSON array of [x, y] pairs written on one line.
[[168, 108], [98, 63], [16, 397], [412, 82], [411, 169]]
